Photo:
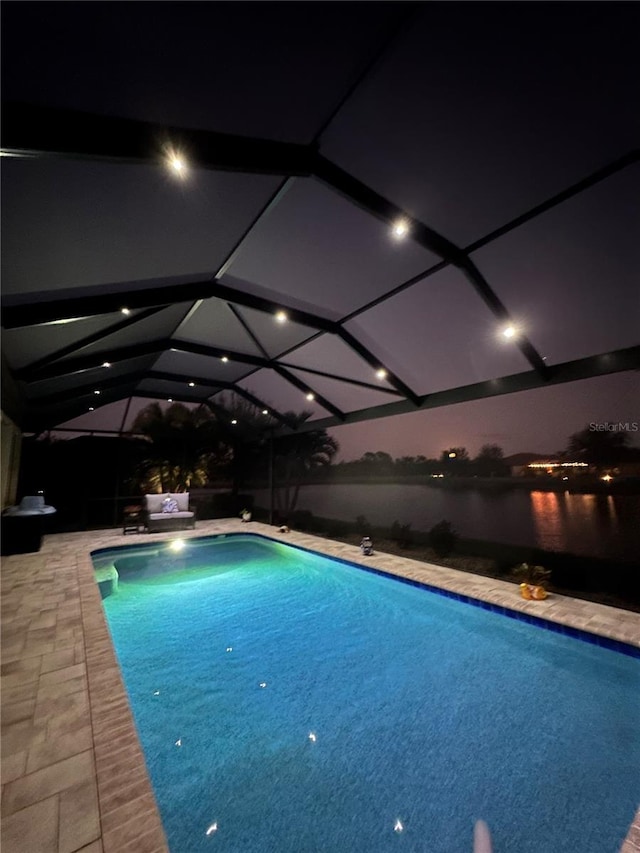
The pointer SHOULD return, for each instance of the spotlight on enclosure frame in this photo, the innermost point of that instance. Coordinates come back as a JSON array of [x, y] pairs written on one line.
[[176, 163], [400, 229]]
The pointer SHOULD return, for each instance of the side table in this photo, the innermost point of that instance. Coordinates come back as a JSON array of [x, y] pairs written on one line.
[[132, 519]]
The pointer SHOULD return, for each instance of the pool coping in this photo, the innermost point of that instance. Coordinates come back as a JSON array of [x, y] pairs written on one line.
[[114, 796]]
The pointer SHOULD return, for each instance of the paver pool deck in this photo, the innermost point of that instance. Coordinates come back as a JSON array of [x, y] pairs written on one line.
[[74, 778]]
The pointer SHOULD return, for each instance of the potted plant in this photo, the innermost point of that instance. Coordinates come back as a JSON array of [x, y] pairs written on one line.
[[245, 514], [534, 581]]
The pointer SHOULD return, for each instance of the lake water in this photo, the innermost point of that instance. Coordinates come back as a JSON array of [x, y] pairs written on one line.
[[594, 525]]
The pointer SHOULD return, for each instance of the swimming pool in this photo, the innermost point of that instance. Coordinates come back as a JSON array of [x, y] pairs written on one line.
[[289, 702]]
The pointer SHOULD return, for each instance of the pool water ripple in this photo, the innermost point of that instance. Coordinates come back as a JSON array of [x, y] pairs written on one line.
[[424, 710]]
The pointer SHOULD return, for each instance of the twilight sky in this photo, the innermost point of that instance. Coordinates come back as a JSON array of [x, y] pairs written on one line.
[[530, 421]]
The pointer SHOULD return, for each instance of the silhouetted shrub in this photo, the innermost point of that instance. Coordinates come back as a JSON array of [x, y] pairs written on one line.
[[442, 538], [503, 567], [401, 534], [303, 519], [362, 525]]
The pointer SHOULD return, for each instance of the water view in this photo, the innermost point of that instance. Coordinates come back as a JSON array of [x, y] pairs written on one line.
[[593, 525]]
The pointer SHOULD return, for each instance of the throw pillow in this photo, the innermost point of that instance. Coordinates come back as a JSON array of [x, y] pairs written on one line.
[[169, 505]]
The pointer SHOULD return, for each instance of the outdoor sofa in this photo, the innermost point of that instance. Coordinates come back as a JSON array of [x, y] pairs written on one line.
[[168, 512]]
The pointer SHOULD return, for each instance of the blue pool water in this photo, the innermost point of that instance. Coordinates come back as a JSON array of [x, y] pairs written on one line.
[[287, 702]]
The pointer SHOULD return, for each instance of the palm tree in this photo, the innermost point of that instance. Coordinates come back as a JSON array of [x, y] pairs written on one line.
[[180, 445], [243, 426], [296, 456]]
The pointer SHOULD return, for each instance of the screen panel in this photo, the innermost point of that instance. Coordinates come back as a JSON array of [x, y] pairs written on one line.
[[331, 354], [213, 323], [205, 367], [66, 384], [316, 246], [344, 395], [279, 394], [439, 335], [157, 326], [107, 417], [164, 389], [570, 277], [274, 337], [25, 345], [489, 113], [128, 222], [180, 72]]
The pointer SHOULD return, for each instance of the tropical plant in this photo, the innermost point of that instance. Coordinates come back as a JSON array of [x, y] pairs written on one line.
[[242, 425], [181, 443], [296, 456], [534, 575]]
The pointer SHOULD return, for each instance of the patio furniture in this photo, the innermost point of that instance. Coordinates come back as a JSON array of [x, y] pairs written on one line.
[[132, 519], [169, 511]]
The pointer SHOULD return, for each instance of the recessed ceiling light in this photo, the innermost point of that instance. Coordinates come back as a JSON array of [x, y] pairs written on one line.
[[509, 332], [176, 163], [192, 385], [381, 373], [224, 358], [125, 311], [311, 396], [234, 421], [281, 317], [178, 166], [400, 228]]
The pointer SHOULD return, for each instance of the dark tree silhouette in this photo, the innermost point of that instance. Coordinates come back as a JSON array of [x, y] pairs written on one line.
[[181, 444], [598, 447], [296, 456], [490, 462], [490, 451], [460, 454]]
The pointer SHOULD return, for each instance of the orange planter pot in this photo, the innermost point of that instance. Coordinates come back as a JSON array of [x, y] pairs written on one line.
[[530, 592]]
